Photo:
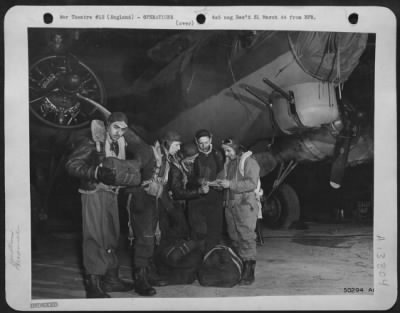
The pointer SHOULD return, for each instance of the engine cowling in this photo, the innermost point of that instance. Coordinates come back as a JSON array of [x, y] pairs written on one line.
[[313, 105]]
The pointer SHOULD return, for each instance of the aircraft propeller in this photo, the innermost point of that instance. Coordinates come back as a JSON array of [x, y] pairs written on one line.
[[351, 120]]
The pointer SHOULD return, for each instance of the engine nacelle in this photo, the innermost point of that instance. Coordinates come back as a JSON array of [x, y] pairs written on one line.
[[314, 104]]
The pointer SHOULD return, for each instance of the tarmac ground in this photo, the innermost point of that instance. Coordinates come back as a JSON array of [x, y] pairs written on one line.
[[321, 260]]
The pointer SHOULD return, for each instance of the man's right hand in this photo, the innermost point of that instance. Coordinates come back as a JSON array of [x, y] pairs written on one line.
[[106, 175], [204, 189]]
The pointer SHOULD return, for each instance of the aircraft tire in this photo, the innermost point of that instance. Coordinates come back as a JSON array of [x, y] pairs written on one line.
[[286, 208]]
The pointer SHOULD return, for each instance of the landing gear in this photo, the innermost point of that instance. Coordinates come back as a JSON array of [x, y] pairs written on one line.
[[282, 208]]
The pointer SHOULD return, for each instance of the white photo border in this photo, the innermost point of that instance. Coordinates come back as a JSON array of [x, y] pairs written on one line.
[[378, 20]]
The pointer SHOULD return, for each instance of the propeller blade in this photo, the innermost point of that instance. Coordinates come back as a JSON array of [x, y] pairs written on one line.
[[97, 105], [339, 164]]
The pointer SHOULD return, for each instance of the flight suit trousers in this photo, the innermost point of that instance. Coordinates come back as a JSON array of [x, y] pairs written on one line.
[[206, 218], [144, 218], [101, 230], [241, 223]]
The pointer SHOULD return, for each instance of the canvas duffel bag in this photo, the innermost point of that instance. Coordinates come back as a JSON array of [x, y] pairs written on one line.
[[179, 262], [221, 267]]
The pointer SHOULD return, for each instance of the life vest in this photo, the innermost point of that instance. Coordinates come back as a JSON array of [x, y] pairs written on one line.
[[100, 137], [258, 191]]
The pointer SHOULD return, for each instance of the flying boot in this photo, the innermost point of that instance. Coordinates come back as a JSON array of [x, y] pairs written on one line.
[[142, 285], [112, 282], [248, 272], [94, 287], [154, 278]]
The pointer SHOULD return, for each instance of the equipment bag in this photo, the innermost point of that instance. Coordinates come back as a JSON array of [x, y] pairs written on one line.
[[179, 262], [221, 267]]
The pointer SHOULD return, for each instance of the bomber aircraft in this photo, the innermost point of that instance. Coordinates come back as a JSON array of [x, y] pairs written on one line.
[[291, 97]]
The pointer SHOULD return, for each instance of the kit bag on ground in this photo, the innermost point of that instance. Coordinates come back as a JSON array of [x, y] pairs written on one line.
[[179, 262], [221, 267], [127, 172]]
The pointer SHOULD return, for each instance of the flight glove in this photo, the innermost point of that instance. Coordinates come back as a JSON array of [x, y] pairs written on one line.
[[105, 175]]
